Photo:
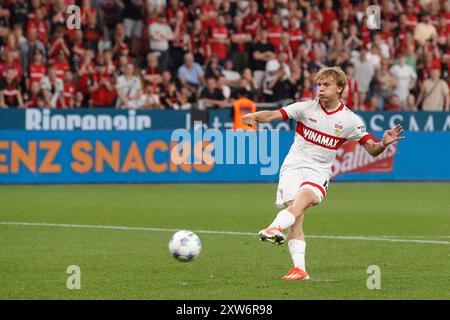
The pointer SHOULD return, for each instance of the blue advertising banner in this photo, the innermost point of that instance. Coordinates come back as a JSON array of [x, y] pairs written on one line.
[[375, 121], [411, 121], [143, 120], [188, 156], [92, 119]]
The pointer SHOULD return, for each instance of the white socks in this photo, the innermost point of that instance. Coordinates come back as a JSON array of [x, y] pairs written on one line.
[[297, 248], [297, 251], [284, 220]]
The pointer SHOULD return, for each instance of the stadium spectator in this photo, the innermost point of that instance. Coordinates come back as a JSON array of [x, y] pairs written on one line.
[[384, 83], [242, 8], [276, 85], [102, 91], [11, 64], [207, 13], [316, 62], [222, 85], [350, 94], [60, 64], [150, 99], [232, 77], [29, 48], [380, 42], [285, 46], [243, 88], [182, 102], [199, 46], [405, 79], [261, 52], [92, 32], [69, 89], [34, 98], [427, 64], [328, 15], [37, 23], [10, 93], [87, 11], [424, 30], [363, 73], [166, 78], [57, 15], [190, 74], [411, 104], [219, 39], [295, 33], [53, 89], [247, 82], [211, 96], [129, 89], [151, 75], [294, 81], [169, 97], [110, 14], [254, 20], [37, 69], [393, 104], [306, 92], [371, 104], [274, 31], [240, 44], [160, 34], [19, 38], [212, 67], [119, 43], [18, 11], [85, 72], [374, 57], [336, 46], [132, 21], [353, 42], [79, 100], [434, 94], [11, 47], [109, 63], [78, 49], [181, 43]]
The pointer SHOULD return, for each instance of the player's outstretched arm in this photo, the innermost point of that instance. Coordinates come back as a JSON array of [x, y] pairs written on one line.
[[261, 116], [389, 136]]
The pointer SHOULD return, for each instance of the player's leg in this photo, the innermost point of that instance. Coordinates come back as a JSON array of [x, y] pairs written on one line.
[[311, 193], [287, 189]]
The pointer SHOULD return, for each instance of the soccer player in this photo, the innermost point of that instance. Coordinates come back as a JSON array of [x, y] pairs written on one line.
[[323, 125]]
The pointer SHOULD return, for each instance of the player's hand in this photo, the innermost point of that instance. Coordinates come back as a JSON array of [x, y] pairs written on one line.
[[392, 135], [249, 119]]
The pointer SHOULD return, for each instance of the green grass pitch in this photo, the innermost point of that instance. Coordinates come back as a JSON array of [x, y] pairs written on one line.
[[136, 264]]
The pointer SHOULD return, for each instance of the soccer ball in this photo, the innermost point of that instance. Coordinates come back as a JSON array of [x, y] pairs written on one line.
[[185, 245]]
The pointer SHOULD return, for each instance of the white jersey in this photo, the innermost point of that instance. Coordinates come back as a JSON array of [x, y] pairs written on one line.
[[129, 88], [320, 133]]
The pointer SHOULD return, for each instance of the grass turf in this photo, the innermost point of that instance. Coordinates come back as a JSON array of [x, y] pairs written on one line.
[[136, 264]]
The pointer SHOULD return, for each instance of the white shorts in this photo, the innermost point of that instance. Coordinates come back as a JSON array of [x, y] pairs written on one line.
[[293, 179]]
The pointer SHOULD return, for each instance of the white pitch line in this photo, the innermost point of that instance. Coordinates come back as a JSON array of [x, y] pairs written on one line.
[[235, 233]]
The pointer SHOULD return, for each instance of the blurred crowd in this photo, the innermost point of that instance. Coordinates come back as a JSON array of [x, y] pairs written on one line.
[[158, 54]]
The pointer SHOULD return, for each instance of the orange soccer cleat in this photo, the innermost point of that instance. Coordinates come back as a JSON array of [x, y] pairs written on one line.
[[296, 274], [273, 235]]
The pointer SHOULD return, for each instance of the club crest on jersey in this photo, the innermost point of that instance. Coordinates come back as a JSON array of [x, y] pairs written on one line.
[[338, 127]]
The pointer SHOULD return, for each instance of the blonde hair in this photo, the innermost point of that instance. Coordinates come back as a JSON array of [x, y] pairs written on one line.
[[336, 73]]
